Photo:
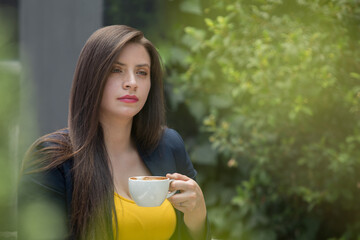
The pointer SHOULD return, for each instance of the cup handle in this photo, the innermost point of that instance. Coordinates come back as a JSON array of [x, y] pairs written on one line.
[[170, 193]]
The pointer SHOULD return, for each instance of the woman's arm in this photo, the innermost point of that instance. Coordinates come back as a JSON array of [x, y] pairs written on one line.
[[190, 201]]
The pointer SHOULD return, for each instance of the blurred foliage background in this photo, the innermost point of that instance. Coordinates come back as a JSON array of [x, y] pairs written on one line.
[[267, 97], [9, 119], [274, 89]]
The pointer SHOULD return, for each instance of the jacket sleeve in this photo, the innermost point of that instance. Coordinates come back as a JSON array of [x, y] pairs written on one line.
[[183, 166], [182, 159], [42, 211]]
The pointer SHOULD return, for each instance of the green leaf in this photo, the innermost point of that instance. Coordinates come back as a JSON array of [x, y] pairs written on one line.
[[221, 101], [355, 75], [197, 109], [191, 6]]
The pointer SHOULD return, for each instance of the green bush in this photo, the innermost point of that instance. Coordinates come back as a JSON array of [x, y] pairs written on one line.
[[274, 87]]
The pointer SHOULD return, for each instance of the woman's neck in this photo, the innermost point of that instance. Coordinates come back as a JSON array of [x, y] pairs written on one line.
[[117, 137]]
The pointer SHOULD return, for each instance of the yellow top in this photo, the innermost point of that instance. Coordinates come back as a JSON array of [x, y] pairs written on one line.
[[139, 223]]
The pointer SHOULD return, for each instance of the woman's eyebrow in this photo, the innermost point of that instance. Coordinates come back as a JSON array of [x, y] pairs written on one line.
[[143, 65], [138, 65]]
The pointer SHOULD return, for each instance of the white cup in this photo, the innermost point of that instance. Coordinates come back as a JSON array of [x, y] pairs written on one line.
[[150, 191]]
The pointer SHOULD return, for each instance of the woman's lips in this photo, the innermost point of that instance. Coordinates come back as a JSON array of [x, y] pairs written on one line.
[[128, 99]]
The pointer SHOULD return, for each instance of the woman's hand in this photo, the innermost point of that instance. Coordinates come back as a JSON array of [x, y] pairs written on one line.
[[190, 201]]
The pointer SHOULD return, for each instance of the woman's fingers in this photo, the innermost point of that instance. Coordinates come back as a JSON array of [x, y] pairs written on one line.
[[180, 185], [177, 176], [185, 201], [190, 192], [181, 182]]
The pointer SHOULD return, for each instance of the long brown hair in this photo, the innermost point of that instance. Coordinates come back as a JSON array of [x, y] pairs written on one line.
[[93, 187]]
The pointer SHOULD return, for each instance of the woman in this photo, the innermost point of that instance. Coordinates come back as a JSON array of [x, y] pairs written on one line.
[[77, 177]]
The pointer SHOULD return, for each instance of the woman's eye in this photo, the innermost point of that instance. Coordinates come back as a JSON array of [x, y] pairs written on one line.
[[116, 70], [144, 73]]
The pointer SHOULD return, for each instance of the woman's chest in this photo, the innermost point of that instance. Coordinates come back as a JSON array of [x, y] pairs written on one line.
[[138, 223], [125, 167]]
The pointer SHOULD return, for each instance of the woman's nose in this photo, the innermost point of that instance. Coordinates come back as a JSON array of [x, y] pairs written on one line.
[[130, 82]]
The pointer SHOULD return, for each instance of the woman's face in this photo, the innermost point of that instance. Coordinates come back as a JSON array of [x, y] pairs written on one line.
[[128, 84]]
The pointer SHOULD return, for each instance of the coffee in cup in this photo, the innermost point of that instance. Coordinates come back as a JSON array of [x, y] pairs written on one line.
[[150, 191]]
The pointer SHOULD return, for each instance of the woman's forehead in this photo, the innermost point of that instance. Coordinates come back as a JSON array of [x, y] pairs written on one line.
[[133, 53]]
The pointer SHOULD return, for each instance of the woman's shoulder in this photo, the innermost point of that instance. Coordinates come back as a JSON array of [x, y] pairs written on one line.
[[172, 138], [45, 172], [173, 142], [48, 151], [59, 137]]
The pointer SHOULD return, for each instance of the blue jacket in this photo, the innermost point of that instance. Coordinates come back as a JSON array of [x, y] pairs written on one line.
[[55, 187]]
